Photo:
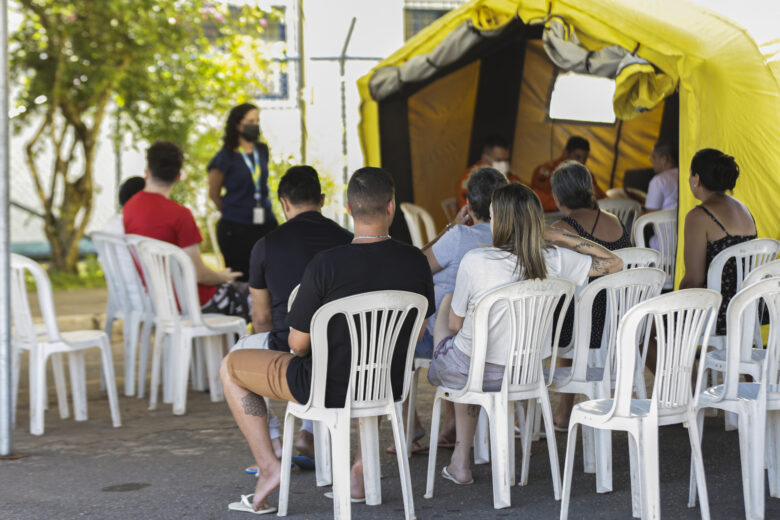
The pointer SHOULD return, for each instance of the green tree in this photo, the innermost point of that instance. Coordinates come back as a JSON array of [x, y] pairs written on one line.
[[171, 68]]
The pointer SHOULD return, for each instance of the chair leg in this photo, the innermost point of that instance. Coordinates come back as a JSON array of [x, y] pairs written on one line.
[[108, 373], [15, 362], [143, 357], [167, 368], [156, 368], [526, 441], [181, 354], [757, 451], [634, 469], [649, 471], [37, 370], [322, 454], [433, 445], [287, 443], [589, 450], [510, 432], [130, 340], [61, 385], [571, 448], [603, 444], [773, 453], [693, 481], [730, 421], [497, 416], [198, 365], [552, 448], [342, 508], [698, 462], [411, 405], [78, 384], [369, 450], [481, 436], [403, 464], [213, 354]]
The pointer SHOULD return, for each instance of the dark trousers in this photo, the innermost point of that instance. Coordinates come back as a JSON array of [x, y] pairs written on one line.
[[236, 241]]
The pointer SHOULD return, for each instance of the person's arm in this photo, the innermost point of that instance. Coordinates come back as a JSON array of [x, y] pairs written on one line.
[[461, 218], [216, 179], [455, 322], [205, 275], [262, 318], [603, 261], [300, 342], [695, 252]]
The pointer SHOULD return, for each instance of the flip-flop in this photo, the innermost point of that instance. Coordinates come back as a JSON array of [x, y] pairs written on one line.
[[446, 474], [245, 505], [303, 462], [329, 494]]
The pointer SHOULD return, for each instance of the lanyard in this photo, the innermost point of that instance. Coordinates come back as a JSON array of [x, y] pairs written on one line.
[[255, 171]]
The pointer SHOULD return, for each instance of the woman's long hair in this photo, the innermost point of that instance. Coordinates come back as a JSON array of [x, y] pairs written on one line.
[[237, 113], [518, 228]]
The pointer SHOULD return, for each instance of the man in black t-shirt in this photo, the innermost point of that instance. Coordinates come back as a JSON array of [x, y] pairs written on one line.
[[372, 262], [279, 259]]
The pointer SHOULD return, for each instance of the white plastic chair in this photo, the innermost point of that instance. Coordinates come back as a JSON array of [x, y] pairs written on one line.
[[624, 290], [638, 257], [768, 270], [529, 308], [681, 319], [381, 316], [211, 228], [54, 343], [751, 402], [450, 208], [665, 227], [626, 210], [747, 256], [127, 300], [413, 215], [173, 286]]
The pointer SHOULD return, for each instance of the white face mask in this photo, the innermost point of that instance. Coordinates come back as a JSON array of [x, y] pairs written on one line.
[[502, 166]]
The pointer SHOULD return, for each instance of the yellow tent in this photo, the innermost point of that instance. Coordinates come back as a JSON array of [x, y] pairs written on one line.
[[481, 69]]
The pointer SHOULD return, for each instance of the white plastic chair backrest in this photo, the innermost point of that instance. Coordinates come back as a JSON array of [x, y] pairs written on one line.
[[292, 296], [132, 242], [638, 257], [767, 270], [211, 227], [450, 207], [747, 256], [113, 253], [529, 307], [374, 321], [21, 314], [171, 281], [683, 320], [626, 210], [738, 313], [664, 224], [413, 215], [624, 290]]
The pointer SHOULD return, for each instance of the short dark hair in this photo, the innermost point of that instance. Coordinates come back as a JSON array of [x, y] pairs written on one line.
[[300, 185], [494, 140], [479, 190], [576, 142], [129, 188], [717, 171], [164, 160], [572, 185], [369, 191], [668, 149]]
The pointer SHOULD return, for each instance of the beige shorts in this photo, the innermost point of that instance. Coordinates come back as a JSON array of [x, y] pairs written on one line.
[[263, 372]]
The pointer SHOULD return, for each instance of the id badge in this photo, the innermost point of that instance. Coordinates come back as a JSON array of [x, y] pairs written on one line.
[[258, 215]]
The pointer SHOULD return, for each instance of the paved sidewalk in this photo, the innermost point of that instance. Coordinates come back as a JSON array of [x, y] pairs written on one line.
[[159, 466]]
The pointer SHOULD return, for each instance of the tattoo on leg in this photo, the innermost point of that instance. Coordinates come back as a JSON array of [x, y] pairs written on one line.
[[254, 405]]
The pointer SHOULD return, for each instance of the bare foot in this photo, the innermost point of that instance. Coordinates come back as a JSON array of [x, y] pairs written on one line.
[[276, 444], [268, 480], [357, 488], [305, 444], [460, 474]]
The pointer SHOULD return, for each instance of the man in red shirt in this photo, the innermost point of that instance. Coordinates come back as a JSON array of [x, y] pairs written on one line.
[[153, 214], [495, 154], [577, 149]]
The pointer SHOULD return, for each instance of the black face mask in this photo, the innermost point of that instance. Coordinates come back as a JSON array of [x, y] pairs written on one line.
[[250, 132]]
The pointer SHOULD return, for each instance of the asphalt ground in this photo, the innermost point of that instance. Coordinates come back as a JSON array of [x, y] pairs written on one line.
[[160, 466]]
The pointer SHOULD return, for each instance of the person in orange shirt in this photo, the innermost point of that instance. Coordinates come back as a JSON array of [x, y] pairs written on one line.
[[495, 154], [577, 149]]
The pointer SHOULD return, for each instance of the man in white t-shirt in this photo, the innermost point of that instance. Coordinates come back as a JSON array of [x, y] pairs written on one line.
[[663, 191]]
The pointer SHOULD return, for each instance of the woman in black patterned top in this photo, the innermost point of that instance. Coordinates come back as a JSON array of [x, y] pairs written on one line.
[[572, 188], [720, 221]]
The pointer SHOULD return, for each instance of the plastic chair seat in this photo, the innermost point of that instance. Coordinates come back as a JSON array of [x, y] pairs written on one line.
[[592, 374]]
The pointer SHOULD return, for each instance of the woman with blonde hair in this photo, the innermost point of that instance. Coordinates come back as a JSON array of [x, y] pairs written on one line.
[[522, 249]]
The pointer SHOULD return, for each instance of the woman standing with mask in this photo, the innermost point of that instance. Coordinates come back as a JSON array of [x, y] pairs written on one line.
[[241, 168]]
